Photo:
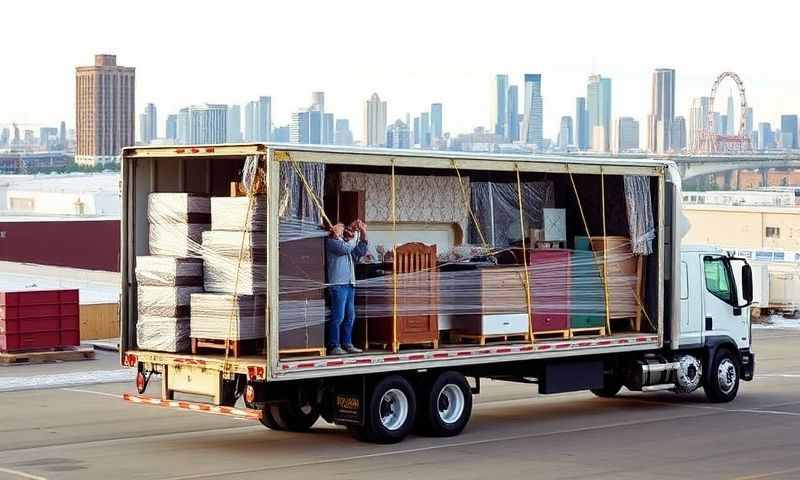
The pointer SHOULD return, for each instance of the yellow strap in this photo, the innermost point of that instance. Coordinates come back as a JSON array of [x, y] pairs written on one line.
[[395, 264], [526, 283], [468, 204]]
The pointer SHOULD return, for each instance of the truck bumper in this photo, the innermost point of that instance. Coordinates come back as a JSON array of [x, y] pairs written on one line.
[[747, 360]]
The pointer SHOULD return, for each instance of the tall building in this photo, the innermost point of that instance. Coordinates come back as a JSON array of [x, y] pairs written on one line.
[[581, 124], [627, 134], [105, 110], [203, 124], [748, 124], [765, 137], [424, 130], [62, 135], [789, 128], [598, 109], [374, 122], [721, 123], [234, 124], [415, 134], [678, 134], [315, 123], [172, 127], [533, 129], [5, 136], [280, 134], [565, 133], [327, 129], [511, 133], [730, 124], [299, 131], [148, 124], [398, 135], [436, 121], [698, 121], [318, 120], [264, 114], [499, 105], [48, 136], [343, 134], [662, 111]]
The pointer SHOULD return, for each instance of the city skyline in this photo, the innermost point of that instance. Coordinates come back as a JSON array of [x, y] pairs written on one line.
[[43, 95]]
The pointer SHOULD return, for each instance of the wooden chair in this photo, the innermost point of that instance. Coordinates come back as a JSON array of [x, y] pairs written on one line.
[[417, 291]]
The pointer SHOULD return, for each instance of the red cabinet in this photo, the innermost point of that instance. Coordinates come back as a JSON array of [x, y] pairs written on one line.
[[550, 285], [39, 319]]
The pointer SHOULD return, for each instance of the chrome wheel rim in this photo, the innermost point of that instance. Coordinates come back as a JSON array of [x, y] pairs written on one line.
[[450, 403], [726, 375], [393, 409]]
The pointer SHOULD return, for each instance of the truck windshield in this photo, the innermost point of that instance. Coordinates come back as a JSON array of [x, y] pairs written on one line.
[[717, 281]]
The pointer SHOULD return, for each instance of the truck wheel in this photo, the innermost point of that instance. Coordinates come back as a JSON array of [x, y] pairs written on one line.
[[612, 384], [722, 382], [268, 420], [390, 412], [445, 405], [294, 418]]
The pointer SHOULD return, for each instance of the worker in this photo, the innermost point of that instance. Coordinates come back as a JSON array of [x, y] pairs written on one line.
[[344, 247]]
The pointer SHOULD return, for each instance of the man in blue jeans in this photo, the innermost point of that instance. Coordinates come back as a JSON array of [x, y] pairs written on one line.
[[343, 248]]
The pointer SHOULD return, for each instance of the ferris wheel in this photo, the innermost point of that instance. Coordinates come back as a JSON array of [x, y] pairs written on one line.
[[713, 142]]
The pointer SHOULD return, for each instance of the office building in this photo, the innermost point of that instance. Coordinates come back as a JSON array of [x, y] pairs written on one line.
[[234, 124], [533, 125], [789, 128], [598, 109], [748, 125], [172, 127], [299, 127], [5, 136], [104, 110], [280, 134], [730, 123], [721, 123], [375, 122], [436, 121], [627, 135], [318, 120], [62, 135], [678, 134], [511, 133], [765, 137], [327, 129], [565, 133], [499, 114], [398, 135], [415, 133], [581, 124], [203, 124], [258, 120], [662, 111], [424, 130], [343, 134]]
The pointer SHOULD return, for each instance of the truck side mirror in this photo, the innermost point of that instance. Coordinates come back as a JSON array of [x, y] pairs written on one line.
[[747, 283]]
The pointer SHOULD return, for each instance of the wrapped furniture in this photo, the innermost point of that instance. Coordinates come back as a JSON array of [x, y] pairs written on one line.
[[302, 295], [228, 255], [177, 220], [550, 290], [226, 318]]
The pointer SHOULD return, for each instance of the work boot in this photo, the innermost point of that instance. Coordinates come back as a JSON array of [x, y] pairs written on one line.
[[352, 349], [336, 351]]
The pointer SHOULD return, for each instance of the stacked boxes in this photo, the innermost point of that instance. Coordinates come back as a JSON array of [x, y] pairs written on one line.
[[177, 221], [39, 319]]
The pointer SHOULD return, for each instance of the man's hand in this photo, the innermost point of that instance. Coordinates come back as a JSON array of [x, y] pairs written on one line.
[[337, 230], [362, 227]]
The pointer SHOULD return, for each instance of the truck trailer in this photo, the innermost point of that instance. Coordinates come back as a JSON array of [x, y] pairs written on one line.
[[563, 272]]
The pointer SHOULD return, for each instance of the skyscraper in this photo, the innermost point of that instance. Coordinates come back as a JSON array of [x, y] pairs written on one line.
[[315, 124], [343, 134], [327, 129], [565, 132], [789, 128], [5, 136], [62, 135], [698, 121], [765, 136], [627, 134], [662, 111], [299, 127], [318, 105], [398, 135], [748, 124], [203, 124], [499, 105], [730, 125], [424, 130], [234, 124], [148, 124], [105, 110], [581, 124], [721, 123], [415, 134], [436, 121], [678, 134], [172, 127], [511, 132], [598, 109], [250, 121], [533, 127], [264, 114], [375, 121]]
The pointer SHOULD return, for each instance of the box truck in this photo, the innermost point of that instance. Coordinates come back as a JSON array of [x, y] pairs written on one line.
[[563, 272]]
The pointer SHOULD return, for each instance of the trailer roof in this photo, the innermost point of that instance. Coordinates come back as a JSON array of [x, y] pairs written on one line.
[[377, 156]]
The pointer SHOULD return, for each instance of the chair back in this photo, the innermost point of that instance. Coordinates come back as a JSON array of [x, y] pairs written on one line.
[[415, 257]]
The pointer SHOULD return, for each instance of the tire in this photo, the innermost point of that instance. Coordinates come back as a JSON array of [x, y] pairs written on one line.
[[268, 420], [722, 382], [612, 384], [445, 405], [294, 418], [390, 412]]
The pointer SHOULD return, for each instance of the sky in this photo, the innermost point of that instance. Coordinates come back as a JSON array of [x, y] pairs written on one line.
[[412, 53]]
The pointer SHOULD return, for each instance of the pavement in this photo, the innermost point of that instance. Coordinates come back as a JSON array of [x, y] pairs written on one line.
[[88, 432]]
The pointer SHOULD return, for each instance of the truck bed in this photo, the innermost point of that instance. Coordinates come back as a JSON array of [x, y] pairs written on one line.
[[379, 360]]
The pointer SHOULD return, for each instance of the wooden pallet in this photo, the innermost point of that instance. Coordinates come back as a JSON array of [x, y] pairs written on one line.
[[588, 332], [551, 334], [235, 348], [316, 352], [388, 346], [67, 354], [456, 337]]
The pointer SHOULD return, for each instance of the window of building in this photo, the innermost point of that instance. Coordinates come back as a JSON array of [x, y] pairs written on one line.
[[772, 232]]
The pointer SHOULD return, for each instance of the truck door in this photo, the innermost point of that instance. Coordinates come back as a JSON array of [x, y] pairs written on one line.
[[721, 316], [691, 302]]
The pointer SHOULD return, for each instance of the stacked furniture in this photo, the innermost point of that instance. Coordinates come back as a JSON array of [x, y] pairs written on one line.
[[177, 221], [38, 320], [588, 310], [550, 290], [165, 285]]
